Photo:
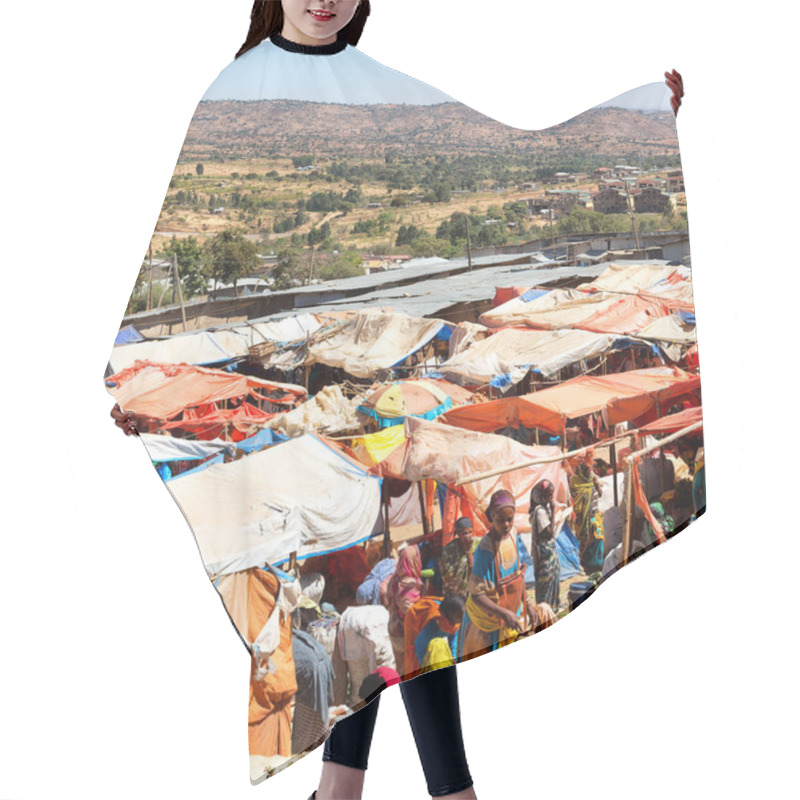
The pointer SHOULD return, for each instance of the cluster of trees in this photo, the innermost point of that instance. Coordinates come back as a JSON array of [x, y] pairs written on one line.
[[327, 202], [226, 258], [434, 176], [581, 221], [376, 225], [295, 267]]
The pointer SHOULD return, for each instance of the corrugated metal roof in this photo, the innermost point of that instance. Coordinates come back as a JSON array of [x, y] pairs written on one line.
[[430, 297]]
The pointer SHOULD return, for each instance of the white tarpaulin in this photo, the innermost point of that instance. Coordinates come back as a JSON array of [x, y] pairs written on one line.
[[464, 335], [206, 347], [511, 353], [291, 329], [374, 340], [672, 334], [630, 277], [299, 496], [560, 308], [170, 448], [329, 411]]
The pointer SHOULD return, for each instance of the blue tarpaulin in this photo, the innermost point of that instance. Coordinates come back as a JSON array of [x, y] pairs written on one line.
[[568, 553], [532, 294], [264, 438], [127, 335]]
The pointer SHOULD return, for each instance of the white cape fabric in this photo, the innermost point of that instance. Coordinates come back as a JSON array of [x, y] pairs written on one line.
[[381, 220], [349, 77]]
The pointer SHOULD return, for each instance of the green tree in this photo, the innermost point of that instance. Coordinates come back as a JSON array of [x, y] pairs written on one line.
[[230, 256], [319, 235], [408, 235], [345, 265], [291, 269], [191, 264], [199, 169]]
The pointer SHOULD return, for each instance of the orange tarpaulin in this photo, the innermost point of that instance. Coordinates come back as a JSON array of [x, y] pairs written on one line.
[[623, 396], [241, 421], [674, 422], [162, 391], [502, 294], [628, 315], [447, 454]]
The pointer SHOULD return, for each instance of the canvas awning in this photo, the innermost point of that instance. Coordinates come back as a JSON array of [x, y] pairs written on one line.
[[559, 308], [672, 334], [205, 347], [621, 277], [303, 495], [622, 396], [162, 391], [169, 448], [374, 340], [505, 357], [447, 454], [675, 422]]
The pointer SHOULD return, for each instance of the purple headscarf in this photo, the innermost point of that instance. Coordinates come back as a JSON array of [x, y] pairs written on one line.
[[500, 499]]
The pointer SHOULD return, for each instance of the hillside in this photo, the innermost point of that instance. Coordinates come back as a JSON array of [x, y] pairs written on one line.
[[269, 128]]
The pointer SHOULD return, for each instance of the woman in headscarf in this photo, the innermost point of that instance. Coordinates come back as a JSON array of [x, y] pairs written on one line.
[[546, 566], [496, 611], [455, 563], [586, 490], [405, 588]]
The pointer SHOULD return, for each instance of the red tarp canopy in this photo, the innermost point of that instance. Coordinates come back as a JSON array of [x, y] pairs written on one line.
[[624, 396], [674, 422], [162, 391]]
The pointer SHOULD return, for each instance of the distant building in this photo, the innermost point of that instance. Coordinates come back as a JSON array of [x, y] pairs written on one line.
[[565, 199], [610, 200], [675, 181], [653, 201], [601, 172], [373, 263], [651, 182]]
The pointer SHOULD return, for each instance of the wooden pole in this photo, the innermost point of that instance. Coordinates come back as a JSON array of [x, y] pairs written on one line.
[[547, 460], [669, 439], [626, 529], [311, 269], [305, 361], [387, 536], [469, 247], [149, 303], [292, 562], [614, 467], [423, 510], [180, 290]]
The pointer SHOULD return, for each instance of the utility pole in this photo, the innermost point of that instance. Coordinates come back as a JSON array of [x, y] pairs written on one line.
[[178, 287], [469, 247], [311, 269], [149, 302], [630, 212]]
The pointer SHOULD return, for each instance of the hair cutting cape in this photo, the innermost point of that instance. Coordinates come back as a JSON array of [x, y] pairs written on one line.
[[367, 308]]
